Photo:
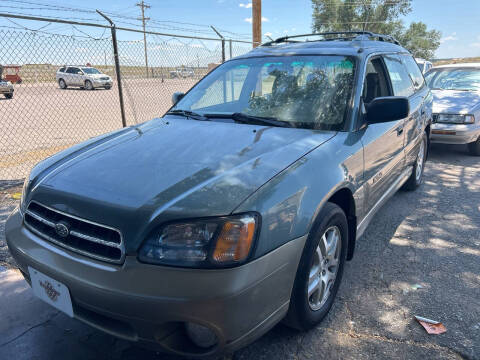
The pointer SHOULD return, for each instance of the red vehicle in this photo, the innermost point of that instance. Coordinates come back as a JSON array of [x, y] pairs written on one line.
[[11, 73]]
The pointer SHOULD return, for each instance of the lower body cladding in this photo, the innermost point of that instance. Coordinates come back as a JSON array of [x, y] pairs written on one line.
[[167, 308], [455, 133]]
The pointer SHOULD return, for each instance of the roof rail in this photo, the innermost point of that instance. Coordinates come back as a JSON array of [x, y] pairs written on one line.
[[337, 35]]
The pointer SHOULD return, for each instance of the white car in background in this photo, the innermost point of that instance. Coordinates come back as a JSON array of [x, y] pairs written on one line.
[[85, 77], [456, 104], [6, 88], [424, 65]]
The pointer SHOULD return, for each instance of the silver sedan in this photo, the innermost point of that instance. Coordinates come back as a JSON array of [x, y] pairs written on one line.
[[456, 106]]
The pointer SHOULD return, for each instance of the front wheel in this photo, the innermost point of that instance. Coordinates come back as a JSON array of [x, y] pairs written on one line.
[[9, 96], [88, 85], [416, 177], [320, 270], [108, 87], [474, 148], [62, 84]]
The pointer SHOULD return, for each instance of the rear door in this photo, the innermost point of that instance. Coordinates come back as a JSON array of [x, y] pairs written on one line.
[[71, 76], [418, 109], [384, 157]]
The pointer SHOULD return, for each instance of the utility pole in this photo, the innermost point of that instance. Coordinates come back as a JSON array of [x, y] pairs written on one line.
[[144, 6], [257, 22]]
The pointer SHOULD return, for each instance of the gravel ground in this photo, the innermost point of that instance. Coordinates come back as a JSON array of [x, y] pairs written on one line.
[[428, 237]]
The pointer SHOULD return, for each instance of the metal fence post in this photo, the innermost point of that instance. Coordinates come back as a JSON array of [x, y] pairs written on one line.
[[223, 43], [231, 49], [117, 68]]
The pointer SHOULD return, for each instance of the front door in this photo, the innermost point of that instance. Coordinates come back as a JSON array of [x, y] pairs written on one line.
[[383, 143]]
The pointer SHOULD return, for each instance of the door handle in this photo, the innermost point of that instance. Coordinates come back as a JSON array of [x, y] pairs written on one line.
[[400, 130]]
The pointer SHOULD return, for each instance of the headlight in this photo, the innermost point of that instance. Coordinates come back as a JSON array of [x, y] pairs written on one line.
[[456, 118], [213, 242], [24, 191]]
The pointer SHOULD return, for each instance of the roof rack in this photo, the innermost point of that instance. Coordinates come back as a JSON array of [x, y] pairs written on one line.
[[336, 35]]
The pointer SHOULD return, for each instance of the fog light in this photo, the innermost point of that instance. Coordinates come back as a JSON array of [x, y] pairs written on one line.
[[201, 335]]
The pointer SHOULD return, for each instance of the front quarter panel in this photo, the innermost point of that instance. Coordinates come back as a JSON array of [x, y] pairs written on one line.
[[291, 201]]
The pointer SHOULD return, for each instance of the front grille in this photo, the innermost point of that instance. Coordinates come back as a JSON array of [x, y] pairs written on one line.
[[84, 237], [434, 118]]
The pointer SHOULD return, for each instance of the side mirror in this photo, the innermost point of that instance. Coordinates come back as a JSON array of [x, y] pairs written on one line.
[[385, 109], [177, 96]]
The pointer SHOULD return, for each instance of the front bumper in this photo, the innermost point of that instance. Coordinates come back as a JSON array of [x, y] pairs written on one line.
[[6, 90], [102, 83], [455, 133], [150, 304]]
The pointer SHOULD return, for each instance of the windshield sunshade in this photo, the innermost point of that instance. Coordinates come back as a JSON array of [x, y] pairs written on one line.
[[304, 91]]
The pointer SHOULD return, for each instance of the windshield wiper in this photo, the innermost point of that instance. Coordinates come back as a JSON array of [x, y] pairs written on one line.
[[251, 119], [187, 113]]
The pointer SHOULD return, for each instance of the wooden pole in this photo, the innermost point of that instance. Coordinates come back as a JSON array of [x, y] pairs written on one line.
[[257, 22]]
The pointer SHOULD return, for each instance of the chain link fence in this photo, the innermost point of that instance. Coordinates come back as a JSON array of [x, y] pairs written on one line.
[[43, 118]]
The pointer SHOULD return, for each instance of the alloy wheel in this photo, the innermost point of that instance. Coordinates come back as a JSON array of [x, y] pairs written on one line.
[[324, 268], [420, 161]]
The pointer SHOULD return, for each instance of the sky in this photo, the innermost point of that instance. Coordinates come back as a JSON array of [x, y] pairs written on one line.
[[457, 20]]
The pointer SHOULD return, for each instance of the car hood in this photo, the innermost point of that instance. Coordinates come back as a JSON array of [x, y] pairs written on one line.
[[451, 101], [167, 169]]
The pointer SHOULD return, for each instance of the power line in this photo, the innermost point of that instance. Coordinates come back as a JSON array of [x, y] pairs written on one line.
[[160, 24]]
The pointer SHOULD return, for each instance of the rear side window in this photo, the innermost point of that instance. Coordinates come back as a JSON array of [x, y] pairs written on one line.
[[401, 82], [413, 71], [73, 70], [62, 69]]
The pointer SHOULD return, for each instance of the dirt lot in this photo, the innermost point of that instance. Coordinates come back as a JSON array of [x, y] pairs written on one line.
[[42, 119], [429, 237]]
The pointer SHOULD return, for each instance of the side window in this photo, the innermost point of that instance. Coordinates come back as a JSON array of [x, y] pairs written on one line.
[[62, 69], [72, 70], [376, 83], [401, 82], [414, 71]]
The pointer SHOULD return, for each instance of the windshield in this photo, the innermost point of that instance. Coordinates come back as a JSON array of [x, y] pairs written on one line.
[[91, 71], [466, 79], [305, 91]]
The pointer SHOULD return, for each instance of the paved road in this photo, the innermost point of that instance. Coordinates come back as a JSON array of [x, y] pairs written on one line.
[[429, 237], [42, 119]]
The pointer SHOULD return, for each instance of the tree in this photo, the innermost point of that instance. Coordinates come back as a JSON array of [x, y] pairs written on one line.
[[419, 41], [379, 16]]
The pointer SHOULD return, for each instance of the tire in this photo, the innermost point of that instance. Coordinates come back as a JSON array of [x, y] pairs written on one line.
[[308, 308], [474, 148], [108, 87], [62, 84], [9, 96], [88, 85], [416, 178]]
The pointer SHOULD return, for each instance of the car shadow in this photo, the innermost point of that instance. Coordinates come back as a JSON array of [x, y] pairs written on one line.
[[81, 89]]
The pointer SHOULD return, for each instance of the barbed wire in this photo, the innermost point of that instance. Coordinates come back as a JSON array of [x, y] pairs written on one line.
[[159, 24]]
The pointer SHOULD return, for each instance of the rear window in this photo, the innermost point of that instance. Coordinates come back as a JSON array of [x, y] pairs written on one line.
[[62, 69]]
